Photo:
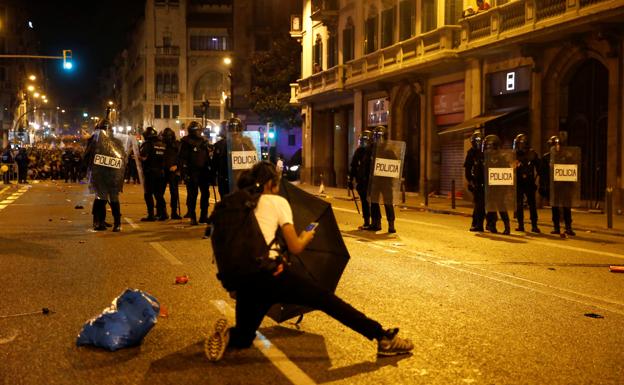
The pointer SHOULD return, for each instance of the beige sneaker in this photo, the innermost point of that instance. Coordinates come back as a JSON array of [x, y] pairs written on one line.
[[215, 345], [392, 345]]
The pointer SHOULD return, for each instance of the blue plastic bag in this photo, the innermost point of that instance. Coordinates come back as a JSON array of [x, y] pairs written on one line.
[[125, 323]]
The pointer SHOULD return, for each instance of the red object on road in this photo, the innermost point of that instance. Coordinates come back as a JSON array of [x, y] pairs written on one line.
[[163, 312], [616, 269], [181, 280]]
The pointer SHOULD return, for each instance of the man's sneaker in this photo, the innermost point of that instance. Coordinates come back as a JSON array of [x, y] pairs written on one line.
[[215, 345], [391, 344]]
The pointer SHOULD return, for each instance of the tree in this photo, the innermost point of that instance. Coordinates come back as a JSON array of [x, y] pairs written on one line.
[[271, 74]]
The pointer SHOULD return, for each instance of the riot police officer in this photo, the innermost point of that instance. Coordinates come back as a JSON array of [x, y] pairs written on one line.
[[554, 143], [360, 172], [67, 161], [473, 171], [527, 169], [172, 170], [22, 161], [152, 154], [7, 162], [194, 157], [76, 169], [493, 143], [379, 137]]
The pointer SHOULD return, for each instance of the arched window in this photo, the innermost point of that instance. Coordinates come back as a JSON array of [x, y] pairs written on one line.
[[317, 56], [209, 86], [370, 30], [167, 83]]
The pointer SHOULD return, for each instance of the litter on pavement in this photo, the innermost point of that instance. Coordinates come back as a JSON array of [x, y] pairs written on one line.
[[616, 269], [182, 279]]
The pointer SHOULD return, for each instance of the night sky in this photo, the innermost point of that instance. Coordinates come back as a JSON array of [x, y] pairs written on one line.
[[94, 30]]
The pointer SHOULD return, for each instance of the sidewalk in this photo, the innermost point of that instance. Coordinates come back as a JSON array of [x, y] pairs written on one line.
[[582, 220]]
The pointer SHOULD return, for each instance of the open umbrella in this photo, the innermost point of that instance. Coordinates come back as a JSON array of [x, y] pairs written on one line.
[[326, 256]]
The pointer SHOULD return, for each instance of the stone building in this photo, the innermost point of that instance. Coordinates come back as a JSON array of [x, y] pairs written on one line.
[[176, 61], [433, 72]]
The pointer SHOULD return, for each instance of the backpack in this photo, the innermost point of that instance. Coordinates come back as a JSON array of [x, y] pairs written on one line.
[[239, 247]]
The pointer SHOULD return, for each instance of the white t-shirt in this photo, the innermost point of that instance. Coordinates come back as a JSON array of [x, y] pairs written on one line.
[[272, 212]]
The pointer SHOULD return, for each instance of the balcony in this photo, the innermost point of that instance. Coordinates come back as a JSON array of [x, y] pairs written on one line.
[[322, 82], [325, 11], [171, 50], [426, 48], [522, 17]]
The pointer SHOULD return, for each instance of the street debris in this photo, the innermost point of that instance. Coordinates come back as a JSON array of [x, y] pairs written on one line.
[[44, 311], [82, 241], [551, 268], [79, 207], [616, 269], [593, 315], [182, 279], [123, 324], [164, 312]]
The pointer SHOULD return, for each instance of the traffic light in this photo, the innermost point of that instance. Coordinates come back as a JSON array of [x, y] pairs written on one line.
[[67, 59], [271, 131]]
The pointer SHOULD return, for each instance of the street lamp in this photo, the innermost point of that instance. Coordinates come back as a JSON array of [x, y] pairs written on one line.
[[32, 78], [30, 88]]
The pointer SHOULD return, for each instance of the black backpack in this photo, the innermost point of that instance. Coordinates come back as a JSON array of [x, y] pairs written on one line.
[[239, 247]]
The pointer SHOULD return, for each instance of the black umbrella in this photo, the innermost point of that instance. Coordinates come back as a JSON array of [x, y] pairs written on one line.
[[326, 256]]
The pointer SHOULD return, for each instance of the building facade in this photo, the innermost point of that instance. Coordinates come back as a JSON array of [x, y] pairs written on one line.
[[187, 58], [433, 72]]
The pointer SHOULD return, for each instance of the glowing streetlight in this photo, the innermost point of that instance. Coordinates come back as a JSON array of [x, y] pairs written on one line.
[[30, 88], [45, 101], [32, 78], [110, 102], [227, 60], [36, 95]]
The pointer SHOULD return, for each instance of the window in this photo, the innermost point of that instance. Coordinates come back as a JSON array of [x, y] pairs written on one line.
[[167, 40], [166, 111], [209, 43], [347, 42], [453, 12], [175, 111], [174, 83], [292, 140], [387, 27], [429, 13], [157, 111], [166, 83], [317, 54], [167, 80], [370, 32], [332, 49], [407, 13]]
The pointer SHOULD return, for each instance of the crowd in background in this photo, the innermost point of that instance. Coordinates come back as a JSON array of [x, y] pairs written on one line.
[[43, 162]]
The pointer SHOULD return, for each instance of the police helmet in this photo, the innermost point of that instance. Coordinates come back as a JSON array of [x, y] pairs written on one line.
[[168, 134], [553, 140], [491, 142], [234, 125], [150, 133], [521, 143], [365, 137], [475, 139], [379, 133], [194, 129], [104, 124]]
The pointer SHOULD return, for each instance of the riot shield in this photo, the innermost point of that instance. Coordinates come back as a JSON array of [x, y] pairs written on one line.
[[107, 169], [137, 159], [243, 150], [384, 185], [500, 183], [565, 177]]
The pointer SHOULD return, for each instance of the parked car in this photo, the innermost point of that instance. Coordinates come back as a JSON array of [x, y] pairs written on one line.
[[292, 168]]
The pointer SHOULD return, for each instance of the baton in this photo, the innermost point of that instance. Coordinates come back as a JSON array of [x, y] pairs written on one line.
[[355, 201]]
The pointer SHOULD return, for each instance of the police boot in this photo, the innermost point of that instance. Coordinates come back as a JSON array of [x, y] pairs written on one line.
[[116, 209], [376, 226], [520, 225], [534, 228], [150, 214], [203, 217], [391, 228], [162, 214], [366, 224], [193, 219], [507, 230], [99, 215]]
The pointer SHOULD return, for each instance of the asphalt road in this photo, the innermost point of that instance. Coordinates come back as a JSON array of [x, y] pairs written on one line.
[[480, 308]]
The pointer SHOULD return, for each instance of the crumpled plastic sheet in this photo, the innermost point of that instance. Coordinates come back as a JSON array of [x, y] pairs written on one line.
[[123, 324]]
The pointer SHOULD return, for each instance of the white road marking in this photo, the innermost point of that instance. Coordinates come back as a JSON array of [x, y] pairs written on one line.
[[270, 351], [428, 224], [131, 223], [581, 249], [487, 274], [4, 189], [165, 253]]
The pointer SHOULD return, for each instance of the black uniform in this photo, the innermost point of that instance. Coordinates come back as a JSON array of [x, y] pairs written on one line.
[[67, 162], [491, 217], [220, 164], [172, 174], [22, 161], [385, 189], [360, 171], [153, 155], [527, 170], [544, 191], [473, 171], [76, 166], [194, 157]]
